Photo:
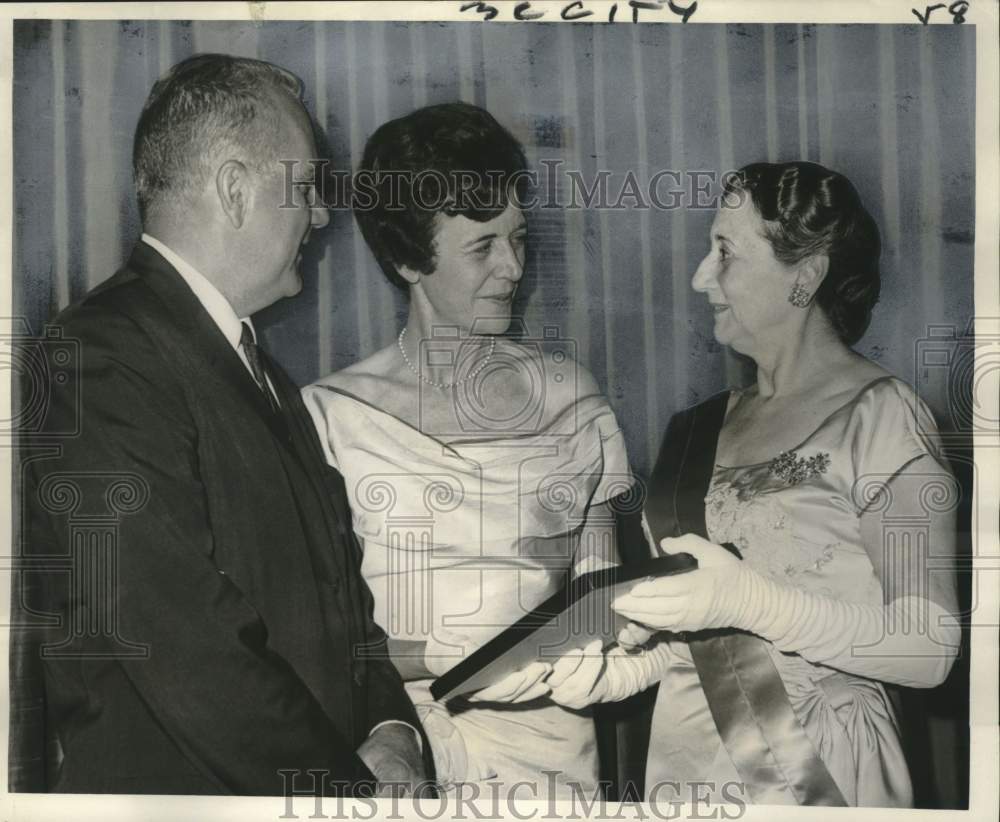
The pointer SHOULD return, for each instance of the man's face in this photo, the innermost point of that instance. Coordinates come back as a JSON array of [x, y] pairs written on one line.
[[279, 224]]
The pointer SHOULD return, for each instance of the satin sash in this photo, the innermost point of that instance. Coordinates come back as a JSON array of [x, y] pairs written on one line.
[[755, 720]]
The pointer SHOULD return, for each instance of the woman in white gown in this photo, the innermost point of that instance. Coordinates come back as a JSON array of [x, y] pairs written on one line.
[[827, 477], [478, 467]]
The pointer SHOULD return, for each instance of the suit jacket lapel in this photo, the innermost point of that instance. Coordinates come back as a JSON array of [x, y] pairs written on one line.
[[305, 440], [198, 330]]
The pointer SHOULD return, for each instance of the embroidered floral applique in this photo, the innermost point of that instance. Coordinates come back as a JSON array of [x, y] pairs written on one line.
[[742, 512], [826, 555], [794, 469]]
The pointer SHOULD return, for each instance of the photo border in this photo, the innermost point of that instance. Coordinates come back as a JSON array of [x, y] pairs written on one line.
[[985, 662]]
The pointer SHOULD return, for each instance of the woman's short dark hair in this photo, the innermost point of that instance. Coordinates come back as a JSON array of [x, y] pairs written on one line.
[[808, 209], [450, 159]]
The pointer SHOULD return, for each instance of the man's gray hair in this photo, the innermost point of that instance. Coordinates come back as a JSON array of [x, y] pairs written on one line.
[[206, 109]]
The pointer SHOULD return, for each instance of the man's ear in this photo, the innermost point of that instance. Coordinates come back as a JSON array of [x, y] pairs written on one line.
[[232, 184], [408, 274]]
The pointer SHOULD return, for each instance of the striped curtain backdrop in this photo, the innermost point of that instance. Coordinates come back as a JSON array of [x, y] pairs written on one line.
[[891, 107]]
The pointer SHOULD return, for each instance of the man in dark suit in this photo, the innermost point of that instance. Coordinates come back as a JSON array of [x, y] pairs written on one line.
[[225, 642]]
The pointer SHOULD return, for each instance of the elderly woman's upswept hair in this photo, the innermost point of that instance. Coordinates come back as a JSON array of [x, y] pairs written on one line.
[[206, 106], [448, 159], [808, 209]]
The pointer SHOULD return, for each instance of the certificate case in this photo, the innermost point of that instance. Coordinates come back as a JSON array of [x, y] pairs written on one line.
[[571, 618]]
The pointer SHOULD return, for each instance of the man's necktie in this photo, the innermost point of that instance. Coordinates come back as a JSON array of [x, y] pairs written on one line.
[[256, 366]]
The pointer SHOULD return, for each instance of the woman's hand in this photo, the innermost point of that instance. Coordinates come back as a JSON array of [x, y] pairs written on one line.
[[633, 636], [585, 677], [521, 686], [576, 680], [691, 601], [446, 648]]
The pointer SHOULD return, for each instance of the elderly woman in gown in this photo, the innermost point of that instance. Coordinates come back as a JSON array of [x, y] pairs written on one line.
[[810, 461], [478, 466]]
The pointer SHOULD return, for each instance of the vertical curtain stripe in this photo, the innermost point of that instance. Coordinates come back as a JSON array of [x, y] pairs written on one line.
[[198, 35], [888, 151], [324, 284], [366, 336], [102, 236], [724, 108], [60, 213], [824, 93], [969, 79], [418, 73], [466, 85], [892, 227], [929, 199], [384, 327], [164, 45], [205, 39], [724, 102], [770, 96], [251, 42], [209, 37], [576, 263], [803, 94], [649, 341], [680, 266], [601, 150]]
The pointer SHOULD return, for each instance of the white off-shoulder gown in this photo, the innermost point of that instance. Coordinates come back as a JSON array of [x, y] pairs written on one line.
[[471, 534]]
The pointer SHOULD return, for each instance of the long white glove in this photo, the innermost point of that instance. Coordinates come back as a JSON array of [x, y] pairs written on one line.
[[911, 641], [583, 677]]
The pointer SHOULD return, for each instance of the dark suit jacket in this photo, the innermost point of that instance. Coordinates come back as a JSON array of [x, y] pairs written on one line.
[[218, 636]]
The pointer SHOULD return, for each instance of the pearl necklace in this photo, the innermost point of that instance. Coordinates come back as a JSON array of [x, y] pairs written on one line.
[[435, 383]]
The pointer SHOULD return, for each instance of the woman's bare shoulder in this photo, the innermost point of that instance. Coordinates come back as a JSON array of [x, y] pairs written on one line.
[[550, 367], [370, 379], [861, 374]]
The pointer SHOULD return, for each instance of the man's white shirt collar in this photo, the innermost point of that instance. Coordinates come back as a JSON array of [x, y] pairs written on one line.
[[208, 295]]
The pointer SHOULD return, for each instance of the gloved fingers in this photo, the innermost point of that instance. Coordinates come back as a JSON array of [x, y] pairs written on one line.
[[564, 667], [634, 635], [514, 685], [576, 691], [707, 554], [658, 615]]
